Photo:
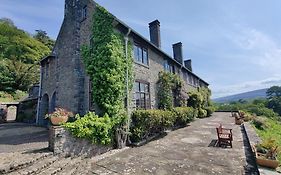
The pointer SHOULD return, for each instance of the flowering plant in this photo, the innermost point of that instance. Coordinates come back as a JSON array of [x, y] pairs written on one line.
[[59, 112]]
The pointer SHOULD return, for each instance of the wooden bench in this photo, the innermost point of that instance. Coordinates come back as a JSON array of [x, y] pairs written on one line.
[[224, 136]]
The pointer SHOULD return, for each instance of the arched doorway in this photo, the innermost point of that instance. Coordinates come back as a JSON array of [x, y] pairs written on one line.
[[44, 109], [53, 102]]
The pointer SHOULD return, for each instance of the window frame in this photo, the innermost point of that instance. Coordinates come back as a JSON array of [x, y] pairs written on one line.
[[142, 58], [84, 12], [146, 103]]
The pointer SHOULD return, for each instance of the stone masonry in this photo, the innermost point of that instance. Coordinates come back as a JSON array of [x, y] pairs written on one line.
[[64, 82], [63, 142]]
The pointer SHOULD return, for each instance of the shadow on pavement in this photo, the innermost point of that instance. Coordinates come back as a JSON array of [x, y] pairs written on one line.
[[251, 165]]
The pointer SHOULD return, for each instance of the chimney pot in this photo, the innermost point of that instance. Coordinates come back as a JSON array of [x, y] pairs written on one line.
[[154, 30]]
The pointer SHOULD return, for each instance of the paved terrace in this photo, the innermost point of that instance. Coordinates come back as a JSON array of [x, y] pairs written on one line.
[[189, 150]]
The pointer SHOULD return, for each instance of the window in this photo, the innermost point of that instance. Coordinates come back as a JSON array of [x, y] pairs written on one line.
[[140, 54], [84, 12], [190, 79], [168, 67], [142, 95]]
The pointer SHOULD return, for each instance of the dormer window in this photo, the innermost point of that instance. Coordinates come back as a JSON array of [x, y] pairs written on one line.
[[84, 12]]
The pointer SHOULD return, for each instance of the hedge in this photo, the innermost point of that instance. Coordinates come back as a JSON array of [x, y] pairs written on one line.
[[146, 123]]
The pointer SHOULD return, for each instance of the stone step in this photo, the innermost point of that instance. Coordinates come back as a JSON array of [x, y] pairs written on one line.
[[56, 167], [83, 168], [36, 166], [16, 161], [71, 166]]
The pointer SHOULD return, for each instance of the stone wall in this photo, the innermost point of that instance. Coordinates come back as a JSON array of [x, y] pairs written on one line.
[[62, 142], [27, 111]]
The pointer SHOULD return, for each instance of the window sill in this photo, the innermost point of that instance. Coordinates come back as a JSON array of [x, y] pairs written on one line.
[[141, 64]]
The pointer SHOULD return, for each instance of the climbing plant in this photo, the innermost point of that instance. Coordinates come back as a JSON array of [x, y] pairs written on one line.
[[169, 90], [106, 64]]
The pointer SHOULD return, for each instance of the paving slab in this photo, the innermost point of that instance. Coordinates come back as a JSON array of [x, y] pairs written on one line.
[[189, 150], [18, 137]]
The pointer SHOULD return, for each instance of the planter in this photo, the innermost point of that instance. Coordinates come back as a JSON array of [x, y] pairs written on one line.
[[238, 121], [263, 161], [58, 120]]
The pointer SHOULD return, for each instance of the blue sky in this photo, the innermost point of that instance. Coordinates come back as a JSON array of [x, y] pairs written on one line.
[[234, 45]]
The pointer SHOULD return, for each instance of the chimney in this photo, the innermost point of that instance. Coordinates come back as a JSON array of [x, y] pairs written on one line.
[[177, 49], [154, 29], [187, 64]]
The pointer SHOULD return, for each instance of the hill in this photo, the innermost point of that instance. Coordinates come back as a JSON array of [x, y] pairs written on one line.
[[261, 93]]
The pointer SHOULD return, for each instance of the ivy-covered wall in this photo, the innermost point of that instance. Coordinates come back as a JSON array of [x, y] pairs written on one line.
[[106, 64]]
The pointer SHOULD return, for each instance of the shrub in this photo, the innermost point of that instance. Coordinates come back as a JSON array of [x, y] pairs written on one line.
[[183, 115], [149, 122], [99, 130], [202, 113], [195, 100], [259, 122], [210, 110], [261, 111]]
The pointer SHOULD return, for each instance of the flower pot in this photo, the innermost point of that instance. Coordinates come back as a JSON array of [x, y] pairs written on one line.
[[263, 161], [58, 120]]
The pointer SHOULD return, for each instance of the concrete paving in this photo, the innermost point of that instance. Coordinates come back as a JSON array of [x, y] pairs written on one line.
[[190, 150], [15, 137]]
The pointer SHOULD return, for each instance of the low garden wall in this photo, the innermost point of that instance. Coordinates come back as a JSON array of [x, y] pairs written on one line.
[[62, 142]]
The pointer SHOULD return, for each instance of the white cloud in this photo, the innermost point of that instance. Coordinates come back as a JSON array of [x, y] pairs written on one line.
[[261, 49]]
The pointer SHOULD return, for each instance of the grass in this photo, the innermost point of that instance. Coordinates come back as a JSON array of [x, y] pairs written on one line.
[[272, 130], [10, 97]]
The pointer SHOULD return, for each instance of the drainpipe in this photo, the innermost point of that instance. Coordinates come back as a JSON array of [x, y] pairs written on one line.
[[126, 38], [39, 97]]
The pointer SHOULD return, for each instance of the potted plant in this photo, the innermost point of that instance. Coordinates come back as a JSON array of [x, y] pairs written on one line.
[[266, 153], [59, 116]]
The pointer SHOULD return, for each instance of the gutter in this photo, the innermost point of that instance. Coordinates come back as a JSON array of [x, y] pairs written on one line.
[[126, 38]]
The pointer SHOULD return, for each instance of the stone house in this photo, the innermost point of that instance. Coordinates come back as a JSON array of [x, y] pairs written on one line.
[[64, 82]]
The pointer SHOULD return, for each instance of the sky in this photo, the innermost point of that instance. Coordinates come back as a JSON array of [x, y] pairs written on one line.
[[234, 45]]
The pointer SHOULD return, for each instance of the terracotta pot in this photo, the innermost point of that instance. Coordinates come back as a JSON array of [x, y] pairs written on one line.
[[262, 161], [59, 120]]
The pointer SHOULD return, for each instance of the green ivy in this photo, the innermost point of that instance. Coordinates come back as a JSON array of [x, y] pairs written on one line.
[[106, 64], [169, 90], [200, 100]]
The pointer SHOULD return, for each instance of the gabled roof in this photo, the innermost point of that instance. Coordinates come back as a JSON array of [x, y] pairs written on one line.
[[45, 58], [158, 49]]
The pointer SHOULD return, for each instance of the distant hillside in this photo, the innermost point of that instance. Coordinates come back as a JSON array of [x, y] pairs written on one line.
[[261, 93]]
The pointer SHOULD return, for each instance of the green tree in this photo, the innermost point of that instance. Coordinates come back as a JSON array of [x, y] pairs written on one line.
[[19, 57], [274, 91], [274, 98], [42, 36]]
